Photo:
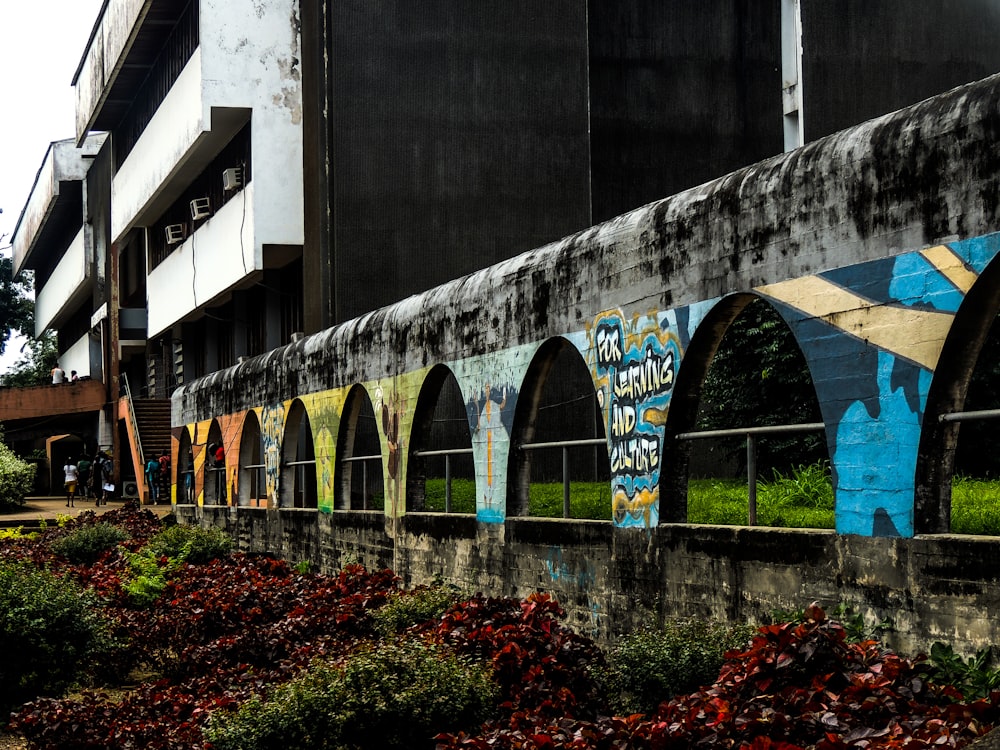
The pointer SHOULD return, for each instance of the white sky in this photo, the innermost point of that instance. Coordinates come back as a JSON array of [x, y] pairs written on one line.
[[41, 43]]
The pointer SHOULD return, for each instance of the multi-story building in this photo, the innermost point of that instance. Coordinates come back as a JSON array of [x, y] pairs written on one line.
[[286, 165], [54, 241]]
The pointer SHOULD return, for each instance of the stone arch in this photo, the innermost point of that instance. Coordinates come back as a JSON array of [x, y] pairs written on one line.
[[187, 484], [949, 386], [213, 477], [686, 402], [557, 402], [252, 483], [358, 474], [297, 487], [440, 422]]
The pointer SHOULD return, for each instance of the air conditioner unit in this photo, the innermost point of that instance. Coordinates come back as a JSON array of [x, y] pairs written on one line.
[[232, 178], [201, 208], [175, 233]]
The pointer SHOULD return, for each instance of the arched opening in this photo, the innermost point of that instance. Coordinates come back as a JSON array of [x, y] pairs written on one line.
[[252, 481], [441, 475], [359, 481], [745, 416], [185, 469], [298, 460], [956, 447], [560, 466], [214, 471]]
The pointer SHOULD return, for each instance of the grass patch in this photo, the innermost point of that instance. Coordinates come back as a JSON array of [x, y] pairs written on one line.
[[463, 495], [802, 500], [975, 506]]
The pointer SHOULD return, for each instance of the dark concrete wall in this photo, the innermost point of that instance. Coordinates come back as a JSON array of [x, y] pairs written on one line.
[[863, 58], [460, 139], [611, 581], [680, 93]]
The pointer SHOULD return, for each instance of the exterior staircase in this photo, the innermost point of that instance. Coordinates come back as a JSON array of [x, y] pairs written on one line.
[[148, 437]]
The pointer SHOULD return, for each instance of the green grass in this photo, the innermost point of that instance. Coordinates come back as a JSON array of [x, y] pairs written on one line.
[[975, 506], [802, 500]]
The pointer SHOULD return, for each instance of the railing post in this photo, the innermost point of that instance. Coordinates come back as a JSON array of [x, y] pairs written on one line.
[[752, 478], [364, 485], [447, 483], [565, 452]]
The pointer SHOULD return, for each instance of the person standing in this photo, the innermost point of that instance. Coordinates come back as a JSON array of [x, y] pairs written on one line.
[[153, 478], [71, 477], [83, 472], [165, 478], [107, 479], [96, 477], [58, 375]]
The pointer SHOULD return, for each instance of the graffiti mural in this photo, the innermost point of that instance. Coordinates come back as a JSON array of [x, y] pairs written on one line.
[[490, 385], [872, 379], [272, 428], [325, 410], [634, 363], [393, 399]]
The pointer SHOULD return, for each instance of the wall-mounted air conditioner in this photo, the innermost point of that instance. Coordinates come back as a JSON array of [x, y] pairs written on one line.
[[175, 233], [201, 208], [232, 178]]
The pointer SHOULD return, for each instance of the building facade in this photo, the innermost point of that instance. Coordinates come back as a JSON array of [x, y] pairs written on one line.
[[256, 173]]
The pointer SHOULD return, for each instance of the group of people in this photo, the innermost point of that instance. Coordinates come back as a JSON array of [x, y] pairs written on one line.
[[89, 476], [59, 376], [157, 472]]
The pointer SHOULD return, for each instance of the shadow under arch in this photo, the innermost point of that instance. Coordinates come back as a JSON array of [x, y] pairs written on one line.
[[186, 492], [358, 475], [712, 339], [947, 393], [214, 477], [252, 485], [297, 488], [557, 403], [440, 423]]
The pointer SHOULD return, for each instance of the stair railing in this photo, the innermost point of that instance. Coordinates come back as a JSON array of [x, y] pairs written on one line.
[[134, 423]]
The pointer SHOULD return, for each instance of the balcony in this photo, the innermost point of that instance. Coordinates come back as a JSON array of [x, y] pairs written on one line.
[[64, 290], [54, 210], [124, 47], [207, 264]]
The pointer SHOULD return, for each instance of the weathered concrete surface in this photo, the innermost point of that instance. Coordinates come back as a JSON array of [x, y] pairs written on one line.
[[870, 192], [612, 580]]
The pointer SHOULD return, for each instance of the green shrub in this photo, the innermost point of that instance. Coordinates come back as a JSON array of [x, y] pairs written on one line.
[[49, 627], [85, 544], [191, 543], [974, 678], [395, 695], [406, 608], [147, 575], [652, 665], [17, 477]]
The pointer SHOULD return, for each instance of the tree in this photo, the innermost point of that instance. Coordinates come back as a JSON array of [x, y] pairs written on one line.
[[35, 366], [17, 309]]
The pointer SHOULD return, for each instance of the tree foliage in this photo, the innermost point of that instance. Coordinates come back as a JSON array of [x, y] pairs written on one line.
[[17, 309], [38, 358], [759, 378]]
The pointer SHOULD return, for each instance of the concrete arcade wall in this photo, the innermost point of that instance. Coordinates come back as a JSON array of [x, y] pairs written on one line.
[[875, 245]]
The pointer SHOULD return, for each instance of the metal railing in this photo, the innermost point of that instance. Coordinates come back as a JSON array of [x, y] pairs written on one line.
[[447, 453], [970, 416], [364, 474], [133, 422], [751, 434], [565, 445]]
